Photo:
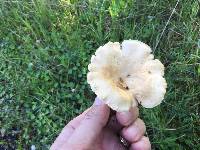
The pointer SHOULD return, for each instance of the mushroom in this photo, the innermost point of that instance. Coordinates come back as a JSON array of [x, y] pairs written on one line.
[[127, 74]]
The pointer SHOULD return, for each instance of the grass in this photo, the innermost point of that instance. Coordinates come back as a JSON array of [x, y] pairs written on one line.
[[45, 47]]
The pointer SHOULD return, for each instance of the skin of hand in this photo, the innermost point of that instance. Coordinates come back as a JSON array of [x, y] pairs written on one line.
[[93, 130]]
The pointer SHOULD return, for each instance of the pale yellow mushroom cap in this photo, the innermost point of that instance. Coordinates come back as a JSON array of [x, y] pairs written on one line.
[[122, 75]]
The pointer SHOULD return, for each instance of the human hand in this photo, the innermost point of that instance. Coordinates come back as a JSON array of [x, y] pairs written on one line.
[[93, 130]]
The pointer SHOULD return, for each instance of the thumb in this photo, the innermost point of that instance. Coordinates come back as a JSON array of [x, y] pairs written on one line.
[[91, 125]]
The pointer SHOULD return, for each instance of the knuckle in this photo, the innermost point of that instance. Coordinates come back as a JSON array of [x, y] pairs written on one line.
[[90, 114], [70, 126], [147, 143], [95, 114], [124, 120], [141, 125]]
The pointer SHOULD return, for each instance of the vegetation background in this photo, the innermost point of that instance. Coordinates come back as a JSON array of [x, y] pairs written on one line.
[[46, 45]]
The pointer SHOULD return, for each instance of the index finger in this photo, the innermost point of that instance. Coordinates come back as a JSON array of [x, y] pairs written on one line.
[[127, 118]]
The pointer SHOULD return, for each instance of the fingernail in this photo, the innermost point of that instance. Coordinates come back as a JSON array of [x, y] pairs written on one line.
[[98, 102]]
